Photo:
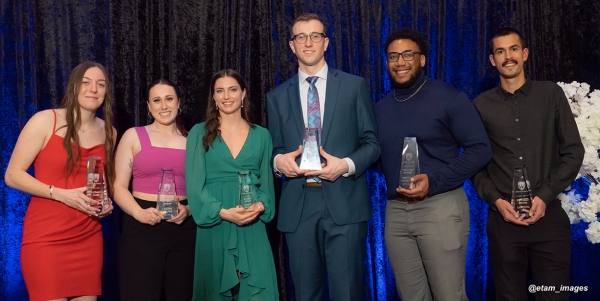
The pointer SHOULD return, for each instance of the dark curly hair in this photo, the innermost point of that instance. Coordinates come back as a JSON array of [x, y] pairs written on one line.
[[407, 33]]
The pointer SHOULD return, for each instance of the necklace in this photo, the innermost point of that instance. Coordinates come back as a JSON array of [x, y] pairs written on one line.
[[234, 129], [403, 100], [83, 131]]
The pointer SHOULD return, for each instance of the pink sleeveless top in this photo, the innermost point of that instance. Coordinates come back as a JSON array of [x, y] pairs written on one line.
[[149, 162]]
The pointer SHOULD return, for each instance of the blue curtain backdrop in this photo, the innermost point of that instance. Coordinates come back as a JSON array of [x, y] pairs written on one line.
[[189, 40]]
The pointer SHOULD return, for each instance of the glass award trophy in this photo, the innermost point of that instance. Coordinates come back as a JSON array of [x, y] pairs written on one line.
[[96, 187], [311, 159], [521, 198], [166, 201], [410, 162], [247, 189]]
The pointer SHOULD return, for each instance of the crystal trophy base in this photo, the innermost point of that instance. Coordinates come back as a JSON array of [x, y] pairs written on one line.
[[96, 188], [522, 206], [168, 209], [410, 162], [95, 191], [311, 158], [166, 201], [521, 192], [247, 193], [246, 199]]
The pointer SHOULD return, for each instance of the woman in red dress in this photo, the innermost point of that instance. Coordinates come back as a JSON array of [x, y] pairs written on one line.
[[61, 251]]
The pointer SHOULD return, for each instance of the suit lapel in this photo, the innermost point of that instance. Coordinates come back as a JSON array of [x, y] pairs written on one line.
[[333, 84], [294, 97]]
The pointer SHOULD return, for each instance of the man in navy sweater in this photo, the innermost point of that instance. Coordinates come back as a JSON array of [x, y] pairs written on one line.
[[427, 225]]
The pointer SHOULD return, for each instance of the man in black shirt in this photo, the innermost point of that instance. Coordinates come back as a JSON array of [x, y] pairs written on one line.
[[530, 124]]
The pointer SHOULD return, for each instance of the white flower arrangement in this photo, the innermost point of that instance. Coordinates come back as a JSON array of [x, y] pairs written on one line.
[[586, 110]]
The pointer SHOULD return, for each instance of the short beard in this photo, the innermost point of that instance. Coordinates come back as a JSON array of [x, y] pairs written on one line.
[[411, 81]]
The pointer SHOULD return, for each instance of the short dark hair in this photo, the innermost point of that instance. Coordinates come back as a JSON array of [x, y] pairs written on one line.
[[305, 18], [407, 33], [504, 31]]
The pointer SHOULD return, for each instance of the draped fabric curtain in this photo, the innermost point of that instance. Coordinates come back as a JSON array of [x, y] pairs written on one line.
[[188, 41]]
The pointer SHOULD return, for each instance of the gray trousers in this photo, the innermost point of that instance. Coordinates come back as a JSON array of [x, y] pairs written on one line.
[[427, 244]]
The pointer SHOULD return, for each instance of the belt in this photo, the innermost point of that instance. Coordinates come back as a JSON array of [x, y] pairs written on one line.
[[313, 184], [407, 199]]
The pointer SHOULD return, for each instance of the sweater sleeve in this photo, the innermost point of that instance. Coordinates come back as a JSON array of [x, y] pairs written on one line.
[[469, 132]]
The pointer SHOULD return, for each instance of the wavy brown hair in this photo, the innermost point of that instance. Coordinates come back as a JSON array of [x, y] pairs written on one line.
[[73, 116], [213, 118], [178, 121]]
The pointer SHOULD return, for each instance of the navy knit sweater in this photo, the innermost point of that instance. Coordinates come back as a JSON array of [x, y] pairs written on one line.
[[443, 120]]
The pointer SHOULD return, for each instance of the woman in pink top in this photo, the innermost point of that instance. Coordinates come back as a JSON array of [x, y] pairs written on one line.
[[156, 256]]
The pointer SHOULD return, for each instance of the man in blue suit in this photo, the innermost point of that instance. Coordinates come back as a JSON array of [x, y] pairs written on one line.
[[323, 212]]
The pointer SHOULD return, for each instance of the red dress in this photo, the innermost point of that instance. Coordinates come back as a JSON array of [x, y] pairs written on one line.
[[61, 252]]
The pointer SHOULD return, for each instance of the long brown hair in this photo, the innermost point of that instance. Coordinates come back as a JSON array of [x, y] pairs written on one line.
[[211, 125], [178, 121], [73, 117]]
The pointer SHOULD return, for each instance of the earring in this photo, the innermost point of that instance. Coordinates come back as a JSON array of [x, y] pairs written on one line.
[[216, 105], [149, 115], [179, 110], [242, 102]]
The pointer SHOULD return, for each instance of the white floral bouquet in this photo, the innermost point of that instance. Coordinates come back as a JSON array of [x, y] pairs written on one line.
[[581, 200]]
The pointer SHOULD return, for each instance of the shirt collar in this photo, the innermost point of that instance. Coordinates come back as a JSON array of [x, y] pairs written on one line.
[[322, 74], [524, 89]]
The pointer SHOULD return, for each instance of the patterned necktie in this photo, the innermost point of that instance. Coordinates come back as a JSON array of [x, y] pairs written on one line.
[[313, 110], [313, 107]]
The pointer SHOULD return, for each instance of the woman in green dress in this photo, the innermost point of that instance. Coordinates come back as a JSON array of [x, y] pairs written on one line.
[[234, 260]]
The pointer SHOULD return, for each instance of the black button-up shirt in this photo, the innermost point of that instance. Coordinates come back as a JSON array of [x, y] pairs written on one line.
[[533, 127]]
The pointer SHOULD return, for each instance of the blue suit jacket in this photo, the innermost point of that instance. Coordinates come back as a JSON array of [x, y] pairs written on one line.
[[349, 130]]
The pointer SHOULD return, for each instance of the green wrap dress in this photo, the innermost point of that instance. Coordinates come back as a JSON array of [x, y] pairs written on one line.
[[222, 247]]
